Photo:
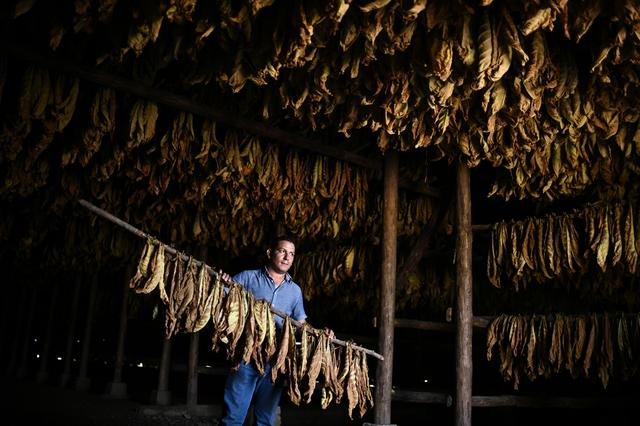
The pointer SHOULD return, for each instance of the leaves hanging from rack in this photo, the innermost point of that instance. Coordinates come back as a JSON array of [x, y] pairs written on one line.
[[601, 236], [246, 330], [593, 346]]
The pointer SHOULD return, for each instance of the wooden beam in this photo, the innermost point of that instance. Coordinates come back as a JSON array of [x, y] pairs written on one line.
[[464, 312], [478, 322], [384, 373], [556, 402], [184, 103], [422, 397], [481, 401]]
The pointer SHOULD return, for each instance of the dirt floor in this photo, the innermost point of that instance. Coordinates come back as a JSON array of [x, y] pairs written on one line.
[[25, 402], [29, 403]]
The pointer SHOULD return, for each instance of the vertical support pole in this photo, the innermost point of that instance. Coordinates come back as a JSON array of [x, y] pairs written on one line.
[[192, 364], [24, 359], [162, 396], [384, 373], [117, 388], [68, 353], [82, 381], [41, 377], [464, 311], [192, 370]]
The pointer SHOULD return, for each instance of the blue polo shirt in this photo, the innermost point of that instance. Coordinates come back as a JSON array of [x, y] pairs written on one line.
[[286, 298]]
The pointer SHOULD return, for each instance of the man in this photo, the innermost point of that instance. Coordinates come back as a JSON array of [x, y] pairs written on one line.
[[274, 284]]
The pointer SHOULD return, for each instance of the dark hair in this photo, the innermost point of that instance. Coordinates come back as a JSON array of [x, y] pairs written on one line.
[[276, 240]]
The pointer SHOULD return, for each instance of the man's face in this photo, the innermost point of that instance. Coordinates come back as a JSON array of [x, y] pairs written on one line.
[[281, 257]]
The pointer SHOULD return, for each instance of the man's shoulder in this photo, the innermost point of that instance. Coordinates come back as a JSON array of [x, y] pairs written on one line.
[[248, 273]]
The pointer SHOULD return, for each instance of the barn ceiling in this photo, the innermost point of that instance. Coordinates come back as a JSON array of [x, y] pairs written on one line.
[[538, 97]]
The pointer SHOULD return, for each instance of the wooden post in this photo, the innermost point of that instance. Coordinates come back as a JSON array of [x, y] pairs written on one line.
[[192, 364], [41, 377], [384, 374], [68, 353], [162, 396], [117, 388], [82, 381], [464, 312], [24, 359], [192, 370]]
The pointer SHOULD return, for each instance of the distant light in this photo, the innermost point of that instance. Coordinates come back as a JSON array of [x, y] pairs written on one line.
[[37, 355], [140, 364], [105, 363], [104, 340], [207, 366], [426, 380], [60, 358], [35, 340], [74, 360], [77, 340]]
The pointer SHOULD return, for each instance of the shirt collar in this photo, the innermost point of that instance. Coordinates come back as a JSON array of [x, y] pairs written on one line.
[[287, 277]]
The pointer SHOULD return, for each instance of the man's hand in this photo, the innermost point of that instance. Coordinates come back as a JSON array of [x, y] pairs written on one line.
[[225, 277], [329, 333]]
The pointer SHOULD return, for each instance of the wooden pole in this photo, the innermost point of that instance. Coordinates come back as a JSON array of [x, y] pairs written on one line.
[[192, 370], [82, 381], [464, 312], [384, 376], [117, 388], [162, 396], [68, 353], [41, 376], [192, 364], [170, 250]]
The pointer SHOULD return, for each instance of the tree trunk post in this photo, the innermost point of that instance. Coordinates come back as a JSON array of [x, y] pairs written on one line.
[[83, 382], [68, 353], [192, 370], [41, 376], [117, 388], [384, 376], [192, 364], [162, 396], [464, 311]]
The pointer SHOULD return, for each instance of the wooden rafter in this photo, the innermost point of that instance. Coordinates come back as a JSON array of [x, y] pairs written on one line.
[[183, 103]]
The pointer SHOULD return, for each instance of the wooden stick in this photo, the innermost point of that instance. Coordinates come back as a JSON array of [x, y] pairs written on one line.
[[215, 274]]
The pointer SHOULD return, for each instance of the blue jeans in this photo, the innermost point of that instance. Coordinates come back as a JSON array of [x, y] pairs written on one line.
[[243, 385]]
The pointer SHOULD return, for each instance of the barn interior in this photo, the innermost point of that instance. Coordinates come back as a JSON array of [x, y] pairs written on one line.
[[501, 137]]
